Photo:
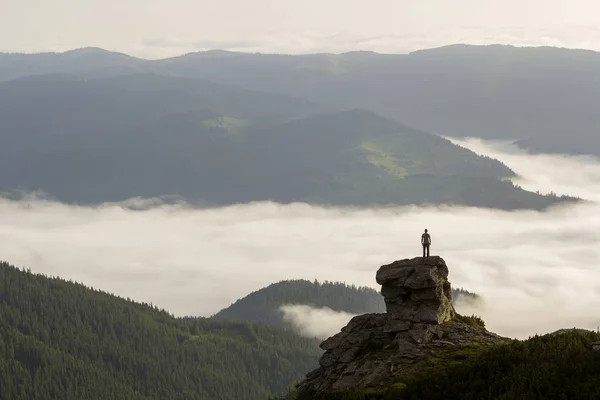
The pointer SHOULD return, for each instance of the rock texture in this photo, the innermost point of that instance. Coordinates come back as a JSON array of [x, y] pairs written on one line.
[[377, 350], [417, 290]]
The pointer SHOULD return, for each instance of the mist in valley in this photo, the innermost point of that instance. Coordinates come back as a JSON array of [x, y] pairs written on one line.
[[536, 271]]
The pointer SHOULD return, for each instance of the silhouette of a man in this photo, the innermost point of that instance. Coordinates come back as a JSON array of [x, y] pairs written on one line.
[[425, 241]]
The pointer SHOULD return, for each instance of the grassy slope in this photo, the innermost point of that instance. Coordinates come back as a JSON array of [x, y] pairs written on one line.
[[357, 157]]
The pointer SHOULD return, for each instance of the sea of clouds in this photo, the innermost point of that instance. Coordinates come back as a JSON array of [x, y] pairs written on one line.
[[536, 271]]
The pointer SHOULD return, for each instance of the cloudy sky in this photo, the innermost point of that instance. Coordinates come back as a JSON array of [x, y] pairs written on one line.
[[161, 28]]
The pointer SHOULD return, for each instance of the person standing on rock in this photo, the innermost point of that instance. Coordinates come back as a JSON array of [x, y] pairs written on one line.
[[425, 241]]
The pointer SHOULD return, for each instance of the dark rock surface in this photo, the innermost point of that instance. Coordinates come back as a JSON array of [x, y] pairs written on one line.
[[417, 290], [377, 350]]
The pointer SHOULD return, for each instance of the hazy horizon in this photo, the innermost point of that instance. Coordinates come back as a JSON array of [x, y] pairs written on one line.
[[163, 29], [95, 48]]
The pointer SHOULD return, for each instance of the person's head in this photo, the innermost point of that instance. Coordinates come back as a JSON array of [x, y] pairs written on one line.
[[425, 230]]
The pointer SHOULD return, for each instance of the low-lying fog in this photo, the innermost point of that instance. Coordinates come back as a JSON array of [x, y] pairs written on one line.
[[537, 271]]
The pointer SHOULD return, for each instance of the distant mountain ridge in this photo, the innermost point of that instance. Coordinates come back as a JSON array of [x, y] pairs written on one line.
[[542, 96], [218, 128]]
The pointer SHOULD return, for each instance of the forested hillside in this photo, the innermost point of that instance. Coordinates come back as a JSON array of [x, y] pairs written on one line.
[[147, 135], [62, 340], [553, 366], [264, 305]]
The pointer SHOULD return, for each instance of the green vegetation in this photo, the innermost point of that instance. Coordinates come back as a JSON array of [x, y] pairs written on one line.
[[263, 305], [225, 124], [553, 366], [474, 320], [145, 135], [460, 292], [416, 154], [61, 340]]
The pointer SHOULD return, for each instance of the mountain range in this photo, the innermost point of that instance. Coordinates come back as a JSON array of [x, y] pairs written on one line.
[[542, 97], [90, 126]]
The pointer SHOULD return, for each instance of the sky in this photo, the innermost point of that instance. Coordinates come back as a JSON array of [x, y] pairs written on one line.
[[536, 271], [164, 28]]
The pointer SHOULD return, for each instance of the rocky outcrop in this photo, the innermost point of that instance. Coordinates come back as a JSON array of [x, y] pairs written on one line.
[[377, 350], [417, 290]]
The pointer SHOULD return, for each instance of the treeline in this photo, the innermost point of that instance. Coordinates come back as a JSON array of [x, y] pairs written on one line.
[[463, 292], [264, 305], [62, 340]]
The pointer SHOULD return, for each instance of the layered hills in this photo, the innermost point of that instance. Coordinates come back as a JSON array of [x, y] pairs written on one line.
[[108, 139], [544, 97]]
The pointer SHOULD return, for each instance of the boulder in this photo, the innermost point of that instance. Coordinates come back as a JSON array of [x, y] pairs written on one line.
[[417, 290]]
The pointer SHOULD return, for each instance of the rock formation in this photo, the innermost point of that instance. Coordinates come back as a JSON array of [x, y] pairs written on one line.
[[378, 350], [417, 290]]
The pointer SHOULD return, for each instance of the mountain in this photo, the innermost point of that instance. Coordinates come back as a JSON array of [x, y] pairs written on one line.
[[61, 340], [264, 305], [65, 105], [359, 158], [107, 139], [87, 62], [543, 97], [420, 348], [144, 135]]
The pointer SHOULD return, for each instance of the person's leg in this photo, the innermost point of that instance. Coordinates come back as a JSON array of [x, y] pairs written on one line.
[[428, 250], [424, 250]]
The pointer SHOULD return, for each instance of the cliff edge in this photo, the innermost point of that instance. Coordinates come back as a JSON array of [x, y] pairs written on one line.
[[379, 350]]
